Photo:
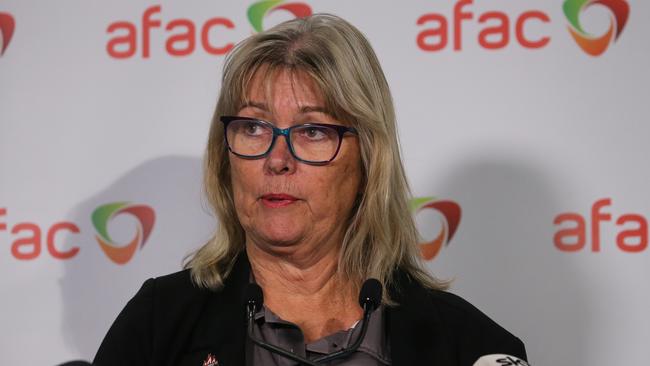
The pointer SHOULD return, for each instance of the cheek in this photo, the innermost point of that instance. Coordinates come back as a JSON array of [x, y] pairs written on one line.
[[351, 172], [242, 177], [342, 188]]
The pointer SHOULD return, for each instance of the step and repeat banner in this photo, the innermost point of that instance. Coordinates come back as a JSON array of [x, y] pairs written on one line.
[[524, 127]]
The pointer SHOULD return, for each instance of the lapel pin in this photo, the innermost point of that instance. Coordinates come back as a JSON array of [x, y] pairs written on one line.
[[211, 361]]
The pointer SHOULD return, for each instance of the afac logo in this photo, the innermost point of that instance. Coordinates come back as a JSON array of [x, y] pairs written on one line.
[[121, 254], [596, 45], [7, 25], [259, 10], [451, 214]]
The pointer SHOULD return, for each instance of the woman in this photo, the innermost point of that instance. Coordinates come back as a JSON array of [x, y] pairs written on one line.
[[304, 173]]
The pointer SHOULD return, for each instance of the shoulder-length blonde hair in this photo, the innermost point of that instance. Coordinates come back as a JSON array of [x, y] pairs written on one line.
[[381, 235]]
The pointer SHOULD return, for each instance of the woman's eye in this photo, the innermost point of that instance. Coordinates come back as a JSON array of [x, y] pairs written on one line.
[[252, 128], [314, 133]]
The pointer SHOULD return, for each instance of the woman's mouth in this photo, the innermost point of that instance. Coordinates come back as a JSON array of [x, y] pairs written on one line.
[[275, 200]]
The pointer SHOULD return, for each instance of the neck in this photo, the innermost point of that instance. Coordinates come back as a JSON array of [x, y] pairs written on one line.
[[297, 275], [307, 290]]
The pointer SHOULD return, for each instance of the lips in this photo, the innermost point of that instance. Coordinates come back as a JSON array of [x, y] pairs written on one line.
[[276, 200]]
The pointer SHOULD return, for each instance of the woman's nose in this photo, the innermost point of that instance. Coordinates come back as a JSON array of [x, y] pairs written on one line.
[[280, 160]]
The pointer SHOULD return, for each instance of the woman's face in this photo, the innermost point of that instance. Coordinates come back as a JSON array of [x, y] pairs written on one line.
[[285, 205]]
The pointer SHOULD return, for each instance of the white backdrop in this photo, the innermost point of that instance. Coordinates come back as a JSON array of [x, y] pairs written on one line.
[[516, 136]]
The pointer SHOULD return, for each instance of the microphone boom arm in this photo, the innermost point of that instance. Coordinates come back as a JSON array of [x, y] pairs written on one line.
[[367, 311], [272, 348], [369, 299]]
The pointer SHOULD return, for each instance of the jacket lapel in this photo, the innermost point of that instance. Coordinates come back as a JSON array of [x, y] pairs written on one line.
[[413, 327], [224, 330]]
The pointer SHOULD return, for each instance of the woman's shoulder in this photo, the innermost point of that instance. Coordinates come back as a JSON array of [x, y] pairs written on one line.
[[176, 283], [443, 306], [476, 329], [173, 290], [458, 310], [442, 315], [162, 314], [179, 279]]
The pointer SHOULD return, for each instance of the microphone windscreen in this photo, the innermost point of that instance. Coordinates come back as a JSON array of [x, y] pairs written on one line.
[[370, 293], [500, 360], [253, 296]]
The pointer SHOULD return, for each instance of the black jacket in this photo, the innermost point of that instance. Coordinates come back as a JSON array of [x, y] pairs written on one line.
[[170, 321]]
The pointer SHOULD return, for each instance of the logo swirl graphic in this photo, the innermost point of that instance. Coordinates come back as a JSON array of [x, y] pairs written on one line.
[[121, 254], [7, 25], [258, 11], [596, 45], [451, 214]]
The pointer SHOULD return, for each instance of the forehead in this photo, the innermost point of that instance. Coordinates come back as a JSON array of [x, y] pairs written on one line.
[[282, 86]]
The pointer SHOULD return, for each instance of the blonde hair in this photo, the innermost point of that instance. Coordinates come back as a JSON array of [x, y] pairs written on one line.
[[381, 235]]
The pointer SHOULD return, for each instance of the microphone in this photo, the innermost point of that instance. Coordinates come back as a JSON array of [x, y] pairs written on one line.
[[369, 299], [370, 294], [253, 298], [500, 360]]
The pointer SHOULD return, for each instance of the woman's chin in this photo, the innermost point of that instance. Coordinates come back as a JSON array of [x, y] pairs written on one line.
[[278, 238], [283, 240]]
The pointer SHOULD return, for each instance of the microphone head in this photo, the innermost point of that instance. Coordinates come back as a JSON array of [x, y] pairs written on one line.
[[370, 294], [500, 359], [253, 296]]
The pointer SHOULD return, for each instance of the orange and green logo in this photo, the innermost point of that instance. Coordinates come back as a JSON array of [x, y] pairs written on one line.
[[450, 218], [102, 215], [258, 11], [7, 25], [596, 45]]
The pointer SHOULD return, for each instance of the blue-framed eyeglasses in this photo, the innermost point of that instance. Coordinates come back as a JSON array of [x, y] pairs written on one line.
[[311, 143]]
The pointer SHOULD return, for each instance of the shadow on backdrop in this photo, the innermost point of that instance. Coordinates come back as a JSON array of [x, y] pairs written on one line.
[[94, 288], [503, 258]]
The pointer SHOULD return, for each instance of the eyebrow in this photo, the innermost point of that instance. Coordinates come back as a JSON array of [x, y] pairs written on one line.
[[303, 110], [257, 105]]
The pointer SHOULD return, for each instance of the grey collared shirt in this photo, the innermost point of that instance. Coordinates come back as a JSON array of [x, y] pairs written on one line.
[[272, 329]]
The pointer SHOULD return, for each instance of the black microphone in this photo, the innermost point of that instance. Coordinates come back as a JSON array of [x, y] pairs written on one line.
[[253, 298], [369, 299], [370, 294]]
